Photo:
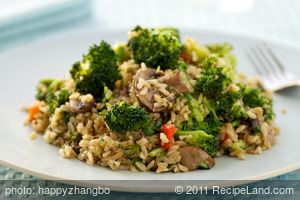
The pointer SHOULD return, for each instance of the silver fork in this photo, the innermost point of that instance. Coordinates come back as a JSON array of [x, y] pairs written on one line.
[[273, 74]]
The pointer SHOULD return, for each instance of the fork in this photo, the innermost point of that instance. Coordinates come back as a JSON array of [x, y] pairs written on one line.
[[273, 74]]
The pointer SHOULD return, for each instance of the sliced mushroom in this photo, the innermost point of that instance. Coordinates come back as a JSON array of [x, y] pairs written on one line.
[[176, 82], [145, 73], [194, 157], [147, 99], [76, 149], [80, 107], [253, 124]]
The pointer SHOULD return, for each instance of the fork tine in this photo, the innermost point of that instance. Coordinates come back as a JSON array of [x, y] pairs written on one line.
[[260, 62], [273, 73], [271, 64], [254, 63], [274, 57]]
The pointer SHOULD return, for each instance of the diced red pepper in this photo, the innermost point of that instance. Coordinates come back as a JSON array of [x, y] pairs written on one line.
[[32, 111], [186, 57], [169, 130]]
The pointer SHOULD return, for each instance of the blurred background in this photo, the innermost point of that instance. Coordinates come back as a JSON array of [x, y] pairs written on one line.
[[22, 21]]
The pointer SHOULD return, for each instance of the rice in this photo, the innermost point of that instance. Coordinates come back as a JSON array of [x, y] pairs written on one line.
[[79, 129], [33, 135], [163, 138], [98, 145], [251, 114]]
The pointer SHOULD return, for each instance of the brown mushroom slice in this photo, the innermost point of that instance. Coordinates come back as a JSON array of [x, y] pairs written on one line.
[[176, 82], [80, 107], [194, 157], [145, 73], [147, 100]]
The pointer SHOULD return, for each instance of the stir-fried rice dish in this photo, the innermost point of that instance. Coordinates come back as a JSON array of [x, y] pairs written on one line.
[[157, 102]]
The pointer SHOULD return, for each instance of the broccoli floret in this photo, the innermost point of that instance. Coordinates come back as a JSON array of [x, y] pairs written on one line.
[[153, 127], [213, 83], [182, 67], [123, 117], [238, 145], [77, 71], [201, 139], [155, 47], [122, 53], [253, 97], [224, 51], [97, 70], [198, 110], [51, 91], [66, 117], [238, 111], [56, 99], [133, 151], [203, 125], [156, 152], [195, 108], [195, 51], [169, 30], [230, 106], [213, 79], [43, 88], [220, 49], [202, 117], [210, 125]]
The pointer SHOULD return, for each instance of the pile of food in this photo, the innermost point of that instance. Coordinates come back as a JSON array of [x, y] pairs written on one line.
[[154, 103]]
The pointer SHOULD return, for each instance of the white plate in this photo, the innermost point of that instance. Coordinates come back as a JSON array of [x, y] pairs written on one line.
[[22, 67]]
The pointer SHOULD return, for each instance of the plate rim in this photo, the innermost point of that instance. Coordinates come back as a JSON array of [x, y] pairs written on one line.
[[240, 36], [144, 189]]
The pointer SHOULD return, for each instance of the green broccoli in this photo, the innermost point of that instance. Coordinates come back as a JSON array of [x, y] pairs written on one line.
[[155, 47], [43, 88], [238, 145], [195, 51], [214, 79], [169, 30], [203, 125], [201, 139], [123, 117], [156, 152], [77, 71], [203, 116], [224, 51], [122, 53], [198, 111], [55, 99], [66, 117], [133, 151], [182, 67], [153, 127], [51, 91], [210, 125], [213, 82], [97, 70], [238, 110], [254, 97], [229, 105], [220, 49]]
